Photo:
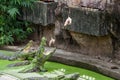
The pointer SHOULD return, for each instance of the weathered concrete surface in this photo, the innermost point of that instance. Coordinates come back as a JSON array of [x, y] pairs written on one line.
[[94, 45], [86, 21], [41, 13]]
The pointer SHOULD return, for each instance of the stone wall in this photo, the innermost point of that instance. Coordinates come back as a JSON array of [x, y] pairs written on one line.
[[97, 38], [85, 30]]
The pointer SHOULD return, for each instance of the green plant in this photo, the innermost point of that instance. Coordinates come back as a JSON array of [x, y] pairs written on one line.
[[39, 58], [12, 29]]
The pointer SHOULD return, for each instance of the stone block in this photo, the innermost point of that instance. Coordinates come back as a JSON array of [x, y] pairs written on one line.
[[41, 13], [86, 20]]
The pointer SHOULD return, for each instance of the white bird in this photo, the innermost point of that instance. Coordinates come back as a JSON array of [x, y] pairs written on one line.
[[68, 21], [52, 41]]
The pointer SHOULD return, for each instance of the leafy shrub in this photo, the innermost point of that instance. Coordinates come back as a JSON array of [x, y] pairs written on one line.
[[12, 29]]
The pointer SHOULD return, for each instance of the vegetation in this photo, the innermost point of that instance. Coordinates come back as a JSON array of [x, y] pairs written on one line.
[[38, 57], [12, 29]]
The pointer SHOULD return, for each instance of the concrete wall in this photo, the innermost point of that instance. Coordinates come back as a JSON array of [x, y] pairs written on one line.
[[91, 35]]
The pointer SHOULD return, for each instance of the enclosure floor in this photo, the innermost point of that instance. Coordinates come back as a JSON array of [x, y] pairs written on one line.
[[76, 59]]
